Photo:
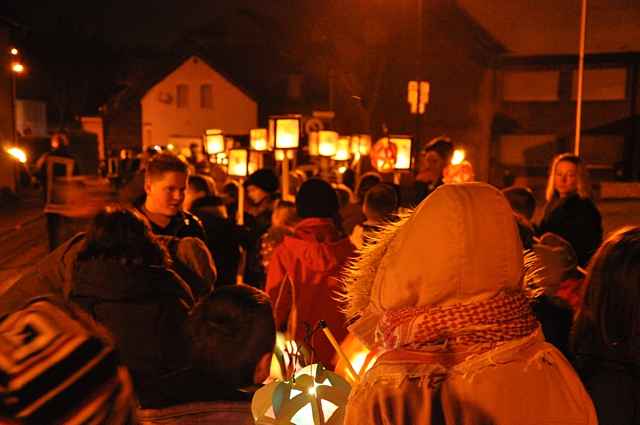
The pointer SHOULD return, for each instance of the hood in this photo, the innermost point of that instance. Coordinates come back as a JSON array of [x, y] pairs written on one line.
[[318, 244], [460, 245], [110, 280]]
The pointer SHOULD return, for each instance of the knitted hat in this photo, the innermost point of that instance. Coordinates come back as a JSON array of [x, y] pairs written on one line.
[[316, 198], [264, 179], [58, 366]]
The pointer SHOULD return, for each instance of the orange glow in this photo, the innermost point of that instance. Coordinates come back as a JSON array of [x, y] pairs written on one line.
[[17, 67], [258, 138], [18, 154], [342, 149], [327, 143], [215, 142], [403, 155], [313, 144], [238, 162], [361, 358], [14, 51], [287, 133], [365, 144], [458, 156]]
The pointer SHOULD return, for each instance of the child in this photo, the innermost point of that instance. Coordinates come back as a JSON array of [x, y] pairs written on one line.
[[380, 204]]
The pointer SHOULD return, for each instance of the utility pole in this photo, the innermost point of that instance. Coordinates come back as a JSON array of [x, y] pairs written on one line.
[[583, 24]]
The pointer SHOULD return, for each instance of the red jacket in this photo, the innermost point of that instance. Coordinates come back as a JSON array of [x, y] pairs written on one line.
[[312, 259]]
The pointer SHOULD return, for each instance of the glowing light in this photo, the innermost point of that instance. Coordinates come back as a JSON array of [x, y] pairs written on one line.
[[312, 390], [170, 147], [238, 159], [342, 149], [287, 133], [327, 143], [258, 138], [458, 156], [215, 142], [365, 144], [342, 169], [18, 154], [14, 51], [403, 155], [17, 67]]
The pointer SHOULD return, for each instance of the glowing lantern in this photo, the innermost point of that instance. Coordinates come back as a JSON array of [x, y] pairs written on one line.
[[279, 153], [287, 132], [258, 138], [18, 154], [313, 144], [238, 162], [365, 144], [342, 149], [327, 143], [314, 396], [215, 142], [221, 158], [460, 170], [403, 153], [355, 145], [383, 155], [358, 354]]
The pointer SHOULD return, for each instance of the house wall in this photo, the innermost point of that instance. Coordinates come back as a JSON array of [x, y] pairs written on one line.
[[536, 112], [231, 110]]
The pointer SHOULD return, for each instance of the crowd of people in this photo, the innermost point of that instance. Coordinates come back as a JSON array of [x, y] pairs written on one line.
[[166, 310]]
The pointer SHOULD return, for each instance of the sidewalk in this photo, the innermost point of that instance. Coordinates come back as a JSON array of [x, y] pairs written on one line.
[[23, 236]]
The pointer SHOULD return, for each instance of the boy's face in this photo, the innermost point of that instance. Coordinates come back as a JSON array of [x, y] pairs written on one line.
[[165, 193]]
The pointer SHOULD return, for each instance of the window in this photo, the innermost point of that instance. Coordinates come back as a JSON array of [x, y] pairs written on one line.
[[530, 86], [206, 96], [182, 96], [601, 84]]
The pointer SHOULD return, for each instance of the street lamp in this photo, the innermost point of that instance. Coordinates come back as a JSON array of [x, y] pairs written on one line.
[[14, 51]]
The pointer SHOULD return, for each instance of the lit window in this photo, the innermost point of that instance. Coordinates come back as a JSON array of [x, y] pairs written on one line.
[[182, 96], [206, 96]]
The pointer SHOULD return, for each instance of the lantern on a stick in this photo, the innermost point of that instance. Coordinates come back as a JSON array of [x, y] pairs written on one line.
[[214, 141], [403, 152], [459, 170], [327, 143], [343, 149], [287, 137], [239, 167], [383, 155], [259, 141]]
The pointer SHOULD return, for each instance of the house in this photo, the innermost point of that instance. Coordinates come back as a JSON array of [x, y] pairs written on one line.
[[191, 99]]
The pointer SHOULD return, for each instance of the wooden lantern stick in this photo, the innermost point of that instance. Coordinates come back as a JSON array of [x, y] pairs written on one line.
[[336, 346]]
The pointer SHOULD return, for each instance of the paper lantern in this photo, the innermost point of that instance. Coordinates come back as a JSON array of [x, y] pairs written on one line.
[[355, 145], [279, 154], [315, 396], [343, 149], [403, 153], [215, 141], [313, 144], [238, 163], [383, 155], [287, 132], [458, 173], [259, 141], [365, 144], [327, 143]]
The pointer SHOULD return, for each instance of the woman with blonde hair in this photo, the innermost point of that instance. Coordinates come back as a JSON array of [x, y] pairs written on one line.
[[570, 211], [606, 334]]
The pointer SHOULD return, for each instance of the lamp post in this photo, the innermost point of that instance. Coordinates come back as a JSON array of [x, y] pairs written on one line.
[[287, 138]]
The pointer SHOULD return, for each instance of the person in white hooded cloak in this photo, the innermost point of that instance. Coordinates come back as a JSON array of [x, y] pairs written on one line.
[[440, 295]]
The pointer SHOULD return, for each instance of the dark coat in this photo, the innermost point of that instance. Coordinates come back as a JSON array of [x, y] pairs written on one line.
[[181, 225], [221, 239], [144, 307], [578, 221]]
